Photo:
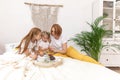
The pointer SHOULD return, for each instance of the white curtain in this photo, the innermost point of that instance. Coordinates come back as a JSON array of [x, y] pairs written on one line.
[[44, 16]]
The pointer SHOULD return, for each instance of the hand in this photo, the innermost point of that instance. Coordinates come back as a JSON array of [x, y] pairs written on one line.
[[41, 53], [55, 51], [51, 49], [34, 57]]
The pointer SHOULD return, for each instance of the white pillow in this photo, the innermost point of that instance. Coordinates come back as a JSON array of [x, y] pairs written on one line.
[[11, 46]]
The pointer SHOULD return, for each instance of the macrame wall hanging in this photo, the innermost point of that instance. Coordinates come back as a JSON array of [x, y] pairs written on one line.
[[44, 15]]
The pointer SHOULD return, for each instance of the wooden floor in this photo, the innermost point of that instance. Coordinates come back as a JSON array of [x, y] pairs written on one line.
[[116, 69]]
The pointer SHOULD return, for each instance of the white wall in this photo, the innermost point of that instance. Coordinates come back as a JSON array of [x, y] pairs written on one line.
[[15, 20], [15, 17]]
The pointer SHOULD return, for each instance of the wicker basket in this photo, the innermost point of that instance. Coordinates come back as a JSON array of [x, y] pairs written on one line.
[[53, 63]]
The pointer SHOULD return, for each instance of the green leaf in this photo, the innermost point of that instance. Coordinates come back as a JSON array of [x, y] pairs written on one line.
[[91, 42]]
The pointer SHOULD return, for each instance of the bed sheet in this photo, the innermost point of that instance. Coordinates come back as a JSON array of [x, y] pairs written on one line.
[[19, 67]]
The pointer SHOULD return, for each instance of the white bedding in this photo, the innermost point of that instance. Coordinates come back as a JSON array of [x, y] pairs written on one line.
[[11, 46], [18, 67]]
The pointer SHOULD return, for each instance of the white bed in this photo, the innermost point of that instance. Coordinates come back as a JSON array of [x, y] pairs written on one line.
[[18, 67]]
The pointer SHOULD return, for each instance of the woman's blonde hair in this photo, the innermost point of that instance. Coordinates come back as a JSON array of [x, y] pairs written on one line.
[[28, 37]]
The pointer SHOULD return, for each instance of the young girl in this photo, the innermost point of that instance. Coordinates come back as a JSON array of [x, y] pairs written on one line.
[[28, 45], [44, 42]]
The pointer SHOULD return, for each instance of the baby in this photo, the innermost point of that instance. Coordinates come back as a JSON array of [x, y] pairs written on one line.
[[44, 42]]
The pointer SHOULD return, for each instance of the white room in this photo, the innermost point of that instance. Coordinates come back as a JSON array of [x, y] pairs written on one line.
[[17, 19]]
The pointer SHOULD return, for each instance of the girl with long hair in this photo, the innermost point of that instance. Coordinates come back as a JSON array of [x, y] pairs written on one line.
[[28, 44]]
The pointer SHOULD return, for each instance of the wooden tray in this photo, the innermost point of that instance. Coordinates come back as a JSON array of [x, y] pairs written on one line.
[[52, 63]]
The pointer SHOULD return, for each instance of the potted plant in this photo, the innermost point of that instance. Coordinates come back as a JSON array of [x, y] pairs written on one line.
[[91, 42]]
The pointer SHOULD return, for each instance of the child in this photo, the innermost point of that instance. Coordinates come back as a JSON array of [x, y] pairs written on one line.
[[28, 45], [44, 42], [43, 47]]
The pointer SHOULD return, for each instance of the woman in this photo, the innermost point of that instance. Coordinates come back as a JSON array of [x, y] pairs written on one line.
[[58, 42], [58, 46]]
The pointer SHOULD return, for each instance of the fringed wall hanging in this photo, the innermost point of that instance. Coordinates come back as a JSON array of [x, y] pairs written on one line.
[[44, 15]]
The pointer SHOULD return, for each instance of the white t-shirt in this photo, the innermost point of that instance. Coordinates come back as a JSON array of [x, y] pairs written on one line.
[[30, 46], [57, 43], [43, 44]]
